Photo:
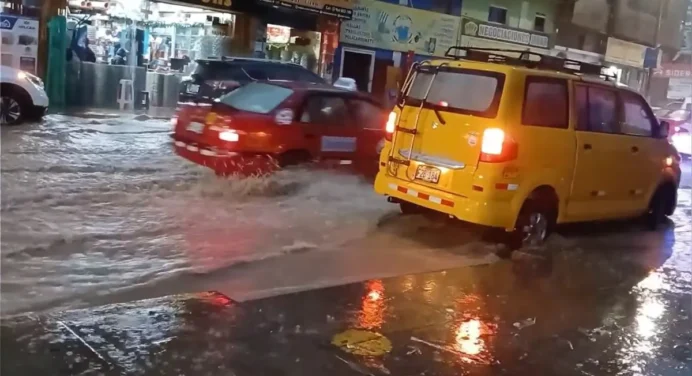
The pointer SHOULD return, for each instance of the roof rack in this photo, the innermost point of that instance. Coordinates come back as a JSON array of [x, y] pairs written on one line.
[[541, 61]]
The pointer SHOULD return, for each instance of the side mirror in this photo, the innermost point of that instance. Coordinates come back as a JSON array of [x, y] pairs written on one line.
[[346, 83], [663, 129]]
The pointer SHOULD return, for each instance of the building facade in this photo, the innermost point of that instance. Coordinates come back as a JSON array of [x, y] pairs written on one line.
[[629, 37], [384, 37]]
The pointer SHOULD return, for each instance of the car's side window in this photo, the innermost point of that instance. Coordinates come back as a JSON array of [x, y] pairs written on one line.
[[581, 106], [545, 102], [637, 120], [365, 114], [603, 110], [258, 72], [324, 110]]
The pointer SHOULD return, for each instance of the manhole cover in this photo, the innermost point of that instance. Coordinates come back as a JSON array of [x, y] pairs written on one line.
[[362, 342]]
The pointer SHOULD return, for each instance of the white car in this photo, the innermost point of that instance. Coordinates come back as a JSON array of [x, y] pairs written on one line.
[[682, 140], [22, 96]]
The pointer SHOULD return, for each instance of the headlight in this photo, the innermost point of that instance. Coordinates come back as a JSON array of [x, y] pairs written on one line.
[[31, 78]]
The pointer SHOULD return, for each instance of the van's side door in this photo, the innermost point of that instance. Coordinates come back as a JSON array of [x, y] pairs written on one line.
[[639, 128], [326, 126], [601, 154]]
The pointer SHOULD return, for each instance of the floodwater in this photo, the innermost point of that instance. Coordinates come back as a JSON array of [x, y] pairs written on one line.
[[100, 211]]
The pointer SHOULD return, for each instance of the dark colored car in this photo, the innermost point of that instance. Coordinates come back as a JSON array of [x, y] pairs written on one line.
[[264, 125], [212, 78]]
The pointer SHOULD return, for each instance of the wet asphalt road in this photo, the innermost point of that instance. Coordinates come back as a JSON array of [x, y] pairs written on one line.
[[101, 211]]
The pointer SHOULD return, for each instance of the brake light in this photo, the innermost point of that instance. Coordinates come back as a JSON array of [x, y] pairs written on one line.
[[391, 126], [230, 135], [497, 146]]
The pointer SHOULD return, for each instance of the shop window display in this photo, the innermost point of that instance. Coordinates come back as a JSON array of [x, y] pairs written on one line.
[[293, 46]]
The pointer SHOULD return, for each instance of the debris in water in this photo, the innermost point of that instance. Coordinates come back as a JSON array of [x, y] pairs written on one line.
[[414, 350], [525, 323]]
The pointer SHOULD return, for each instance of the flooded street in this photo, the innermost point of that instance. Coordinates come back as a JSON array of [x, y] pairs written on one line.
[[96, 208], [96, 211], [97, 214]]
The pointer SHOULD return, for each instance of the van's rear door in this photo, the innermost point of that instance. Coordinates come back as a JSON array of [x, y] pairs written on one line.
[[441, 125]]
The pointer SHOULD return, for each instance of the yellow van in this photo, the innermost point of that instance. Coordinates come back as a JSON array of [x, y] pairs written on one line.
[[523, 141]]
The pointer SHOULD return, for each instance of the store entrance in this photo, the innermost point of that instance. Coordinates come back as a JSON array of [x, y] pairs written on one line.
[[358, 65]]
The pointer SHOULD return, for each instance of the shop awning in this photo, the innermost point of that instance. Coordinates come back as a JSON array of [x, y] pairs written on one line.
[[342, 9]]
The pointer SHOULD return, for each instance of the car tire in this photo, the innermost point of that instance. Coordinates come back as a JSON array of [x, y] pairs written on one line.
[[661, 205], [534, 224], [13, 106]]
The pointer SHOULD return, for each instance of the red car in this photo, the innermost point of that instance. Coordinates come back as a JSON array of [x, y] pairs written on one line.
[[263, 126]]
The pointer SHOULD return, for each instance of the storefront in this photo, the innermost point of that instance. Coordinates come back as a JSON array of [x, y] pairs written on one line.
[[480, 34], [626, 60], [673, 80], [373, 41], [154, 43], [19, 42]]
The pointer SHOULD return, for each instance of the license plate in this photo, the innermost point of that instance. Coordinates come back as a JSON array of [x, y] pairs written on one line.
[[428, 174], [195, 127], [193, 89]]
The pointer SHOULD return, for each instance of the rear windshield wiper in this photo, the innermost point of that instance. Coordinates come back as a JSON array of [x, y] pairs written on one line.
[[439, 115]]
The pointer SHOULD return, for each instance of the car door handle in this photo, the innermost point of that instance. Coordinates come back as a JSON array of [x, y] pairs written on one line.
[[587, 146], [635, 149]]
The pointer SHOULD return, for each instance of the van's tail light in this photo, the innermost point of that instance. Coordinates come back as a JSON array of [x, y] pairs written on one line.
[[498, 146], [391, 126]]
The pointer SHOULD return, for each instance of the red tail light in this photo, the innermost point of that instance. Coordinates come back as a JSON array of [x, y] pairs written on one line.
[[497, 146], [391, 126]]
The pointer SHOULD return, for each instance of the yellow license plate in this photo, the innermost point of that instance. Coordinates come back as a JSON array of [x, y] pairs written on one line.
[[428, 174]]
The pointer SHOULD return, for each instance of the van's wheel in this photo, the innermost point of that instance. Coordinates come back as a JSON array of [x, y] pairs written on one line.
[[662, 203], [534, 224], [13, 106]]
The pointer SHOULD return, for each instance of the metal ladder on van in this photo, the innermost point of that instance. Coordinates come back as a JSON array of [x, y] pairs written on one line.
[[414, 131]]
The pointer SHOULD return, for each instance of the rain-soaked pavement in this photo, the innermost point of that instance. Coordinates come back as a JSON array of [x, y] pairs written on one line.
[[100, 212]]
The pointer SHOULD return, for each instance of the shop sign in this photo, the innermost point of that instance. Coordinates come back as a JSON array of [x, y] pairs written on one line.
[[278, 34], [222, 5], [674, 71], [480, 29], [679, 88], [377, 24], [625, 53], [342, 9], [19, 42]]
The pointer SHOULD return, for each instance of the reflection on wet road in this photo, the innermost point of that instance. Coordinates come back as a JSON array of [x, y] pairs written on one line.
[[581, 312]]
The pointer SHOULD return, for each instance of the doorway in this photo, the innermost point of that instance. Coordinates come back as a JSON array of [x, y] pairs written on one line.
[[358, 65]]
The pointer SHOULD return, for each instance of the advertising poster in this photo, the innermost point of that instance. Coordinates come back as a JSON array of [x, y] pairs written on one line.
[[378, 24], [19, 42]]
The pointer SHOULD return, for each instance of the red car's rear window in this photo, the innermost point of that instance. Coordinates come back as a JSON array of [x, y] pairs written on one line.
[[256, 97]]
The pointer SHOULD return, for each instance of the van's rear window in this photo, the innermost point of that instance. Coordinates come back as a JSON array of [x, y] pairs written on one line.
[[467, 91], [256, 97]]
